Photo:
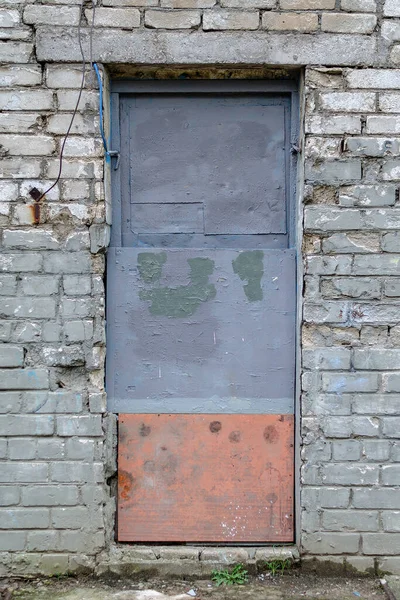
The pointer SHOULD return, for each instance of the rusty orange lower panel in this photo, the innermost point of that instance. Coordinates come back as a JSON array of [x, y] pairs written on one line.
[[205, 478]]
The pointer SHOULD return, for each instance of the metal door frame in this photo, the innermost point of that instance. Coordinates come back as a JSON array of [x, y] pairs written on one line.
[[291, 88]]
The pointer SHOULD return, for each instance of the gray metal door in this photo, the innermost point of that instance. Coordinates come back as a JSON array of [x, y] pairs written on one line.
[[201, 272]]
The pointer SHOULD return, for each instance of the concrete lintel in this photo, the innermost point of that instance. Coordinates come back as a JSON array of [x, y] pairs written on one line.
[[110, 46]]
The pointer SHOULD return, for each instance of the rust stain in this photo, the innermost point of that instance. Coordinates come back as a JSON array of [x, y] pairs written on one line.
[[36, 207], [125, 485], [271, 434], [215, 426], [234, 437], [191, 486], [145, 430]]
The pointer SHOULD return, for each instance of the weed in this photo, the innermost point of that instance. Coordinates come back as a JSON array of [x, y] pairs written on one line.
[[278, 566], [238, 576]]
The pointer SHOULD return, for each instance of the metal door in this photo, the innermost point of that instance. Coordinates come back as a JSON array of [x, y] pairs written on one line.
[[201, 311]]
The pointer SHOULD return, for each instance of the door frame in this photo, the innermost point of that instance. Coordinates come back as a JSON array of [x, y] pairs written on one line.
[[293, 88]]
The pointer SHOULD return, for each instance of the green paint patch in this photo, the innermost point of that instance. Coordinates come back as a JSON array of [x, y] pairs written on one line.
[[150, 266], [183, 300], [249, 266]]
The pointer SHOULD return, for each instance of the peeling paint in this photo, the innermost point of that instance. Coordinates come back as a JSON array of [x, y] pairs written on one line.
[[183, 300], [249, 266]]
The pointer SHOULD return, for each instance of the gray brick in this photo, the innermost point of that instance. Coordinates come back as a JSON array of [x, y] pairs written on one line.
[[345, 474], [376, 404], [63, 356], [74, 541], [16, 263], [326, 359], [389, 124], [8, 285], [350, 520], [164, 19], [23, 518], [77, 285], [50, 495], [56, 15], [375, 313], [337, 427], [391, 382], [351, 287], [373, 147], [50, 449], [368, 195], [70, 518], [341, 383], [390, 428], [325, 497], [124, 18], [374, 78], [79, 472], [40, 285], [348, 101], [331, 543], [51, 332], [23, 472], [97, 403], [32, 308], [31, 239], [333, 171], [377, 450], [78, 308], [391, 9], [392, 288], [351, 243], [391, 242], [84, 426], [24, 379], [78, 331], [379, 498], [52, 402], [42, 541], [328, 312], [391, 521], [26, 331], [9, 495], [345, 23], [17, 425], [13, 541], [376, 360], [391, 474], [21, 449], [10, 402], [11, 356], [79, 449], [329, 265], [338, 219], [71, 262], [381, 543], [346, 450]]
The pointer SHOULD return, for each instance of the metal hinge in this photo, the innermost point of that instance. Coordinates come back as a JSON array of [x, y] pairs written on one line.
[[115, 154]]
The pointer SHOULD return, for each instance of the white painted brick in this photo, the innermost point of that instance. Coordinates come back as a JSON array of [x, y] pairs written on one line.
[[333, 124], [83, 147], [140, 3], [15, 52], [123, 18], [82, 124], [89, 100], [26, 99], [33, 145], [246, 4], [14, 122], [24, 75], [164, 19], [229, 19], [381, 79], [8, 191], [391, 30]]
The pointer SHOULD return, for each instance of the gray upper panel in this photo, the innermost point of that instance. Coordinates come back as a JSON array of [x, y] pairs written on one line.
[[207, 166]]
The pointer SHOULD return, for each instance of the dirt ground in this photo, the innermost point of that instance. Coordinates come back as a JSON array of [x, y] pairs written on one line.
[[286, 587]]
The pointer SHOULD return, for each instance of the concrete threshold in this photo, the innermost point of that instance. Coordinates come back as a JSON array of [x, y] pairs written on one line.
[[188, 561]]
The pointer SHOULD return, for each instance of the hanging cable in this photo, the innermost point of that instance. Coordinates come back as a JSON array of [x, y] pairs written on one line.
[[61, 155], [109, 153]]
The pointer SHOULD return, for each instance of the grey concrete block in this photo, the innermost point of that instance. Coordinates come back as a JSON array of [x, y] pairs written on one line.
[[24, 518], [24, 472], [350, 520], [50, 495], [84, 426], [348, 474], [11, 356], [379, 498]]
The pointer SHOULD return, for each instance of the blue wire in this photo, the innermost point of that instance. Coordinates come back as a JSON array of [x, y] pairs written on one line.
[[96, 68]]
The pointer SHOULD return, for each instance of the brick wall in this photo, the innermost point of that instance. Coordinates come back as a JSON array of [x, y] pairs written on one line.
[[56, 443]]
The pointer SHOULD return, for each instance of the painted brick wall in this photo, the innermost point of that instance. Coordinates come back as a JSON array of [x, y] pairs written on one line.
[[56, 445]]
